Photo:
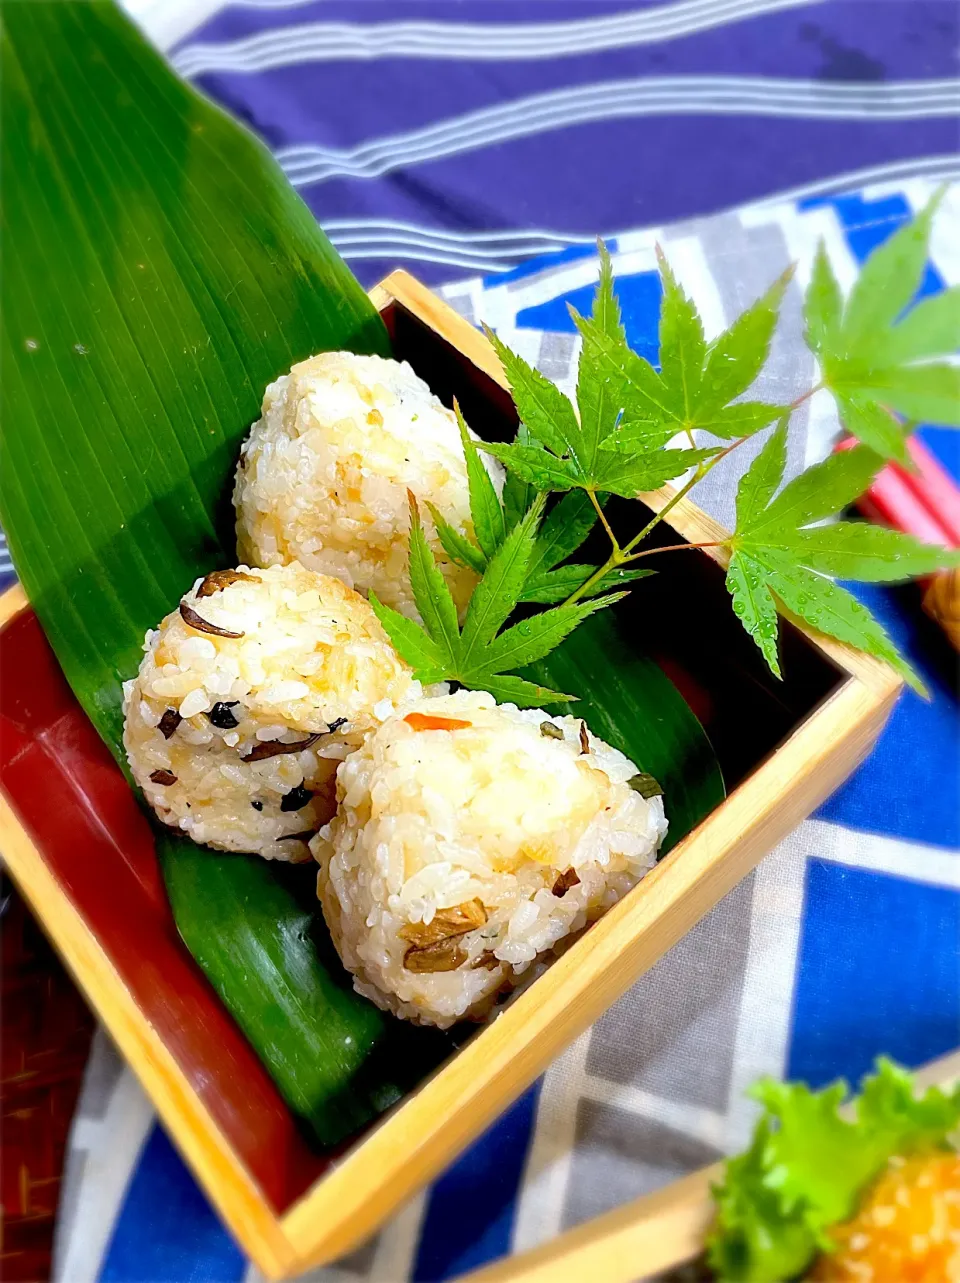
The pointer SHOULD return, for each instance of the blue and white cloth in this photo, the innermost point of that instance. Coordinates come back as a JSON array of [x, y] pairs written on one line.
[[844, 942]]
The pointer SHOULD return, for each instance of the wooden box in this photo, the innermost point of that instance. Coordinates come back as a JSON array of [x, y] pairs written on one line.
[[77, 844]]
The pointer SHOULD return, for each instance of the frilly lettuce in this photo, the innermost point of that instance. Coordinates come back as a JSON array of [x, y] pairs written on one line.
[[807, 1167]]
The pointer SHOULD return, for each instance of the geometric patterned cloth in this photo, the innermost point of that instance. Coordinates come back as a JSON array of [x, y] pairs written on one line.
[[841, 945], [493, 140]]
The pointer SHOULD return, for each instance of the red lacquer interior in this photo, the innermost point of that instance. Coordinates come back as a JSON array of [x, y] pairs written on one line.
[[82, 817]]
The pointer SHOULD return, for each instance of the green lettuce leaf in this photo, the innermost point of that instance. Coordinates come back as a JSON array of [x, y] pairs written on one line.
[[808, 1166]]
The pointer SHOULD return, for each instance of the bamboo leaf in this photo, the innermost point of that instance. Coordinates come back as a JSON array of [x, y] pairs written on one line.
[[159, 272]]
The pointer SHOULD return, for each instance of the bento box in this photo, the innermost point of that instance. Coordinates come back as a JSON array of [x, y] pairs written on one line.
[[82, 852]]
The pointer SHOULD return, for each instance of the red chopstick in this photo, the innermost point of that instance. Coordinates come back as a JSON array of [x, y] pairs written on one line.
[[934, 486], [925, 504]]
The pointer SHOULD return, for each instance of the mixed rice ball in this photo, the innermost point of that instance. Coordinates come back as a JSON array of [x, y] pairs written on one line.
[[324, 476], [470, 840], [249, 695]]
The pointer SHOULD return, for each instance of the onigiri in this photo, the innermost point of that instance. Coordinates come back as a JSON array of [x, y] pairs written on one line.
[[324, 475], [471, 840], [248, 697]]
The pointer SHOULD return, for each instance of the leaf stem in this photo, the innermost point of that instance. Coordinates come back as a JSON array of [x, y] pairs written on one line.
[[606, 524], [615, 559], [620, 556], [674, 547], [657, 517], [817, 387]]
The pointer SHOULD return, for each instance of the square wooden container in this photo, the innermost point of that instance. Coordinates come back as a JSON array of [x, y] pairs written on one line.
[[78, 846]]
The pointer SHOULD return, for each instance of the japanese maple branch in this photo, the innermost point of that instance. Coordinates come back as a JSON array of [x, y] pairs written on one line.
[[620, 556], [603, 518], [674, 547]]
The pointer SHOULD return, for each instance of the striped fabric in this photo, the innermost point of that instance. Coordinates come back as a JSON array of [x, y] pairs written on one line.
[[470, 134], [842, 944], [484, 144]]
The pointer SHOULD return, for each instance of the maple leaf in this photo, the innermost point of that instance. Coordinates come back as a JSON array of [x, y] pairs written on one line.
[[618, 439], [876, 360], [778, 552], [480, 655], [493, 517]]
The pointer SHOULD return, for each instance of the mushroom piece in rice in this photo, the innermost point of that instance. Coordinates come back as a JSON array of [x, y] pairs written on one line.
[[324, 475], [248, 697], [471, 840]]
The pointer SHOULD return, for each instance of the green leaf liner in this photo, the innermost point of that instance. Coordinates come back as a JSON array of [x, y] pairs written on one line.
[[159, 272], [337, 1059]]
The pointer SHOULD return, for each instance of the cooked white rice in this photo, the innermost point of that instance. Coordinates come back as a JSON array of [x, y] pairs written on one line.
[[311, 655], [475, 850], [324, 475]]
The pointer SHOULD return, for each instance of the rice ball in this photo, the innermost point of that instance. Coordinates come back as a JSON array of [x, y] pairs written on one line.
[[471, 840], [247, 699], [323, 476]]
